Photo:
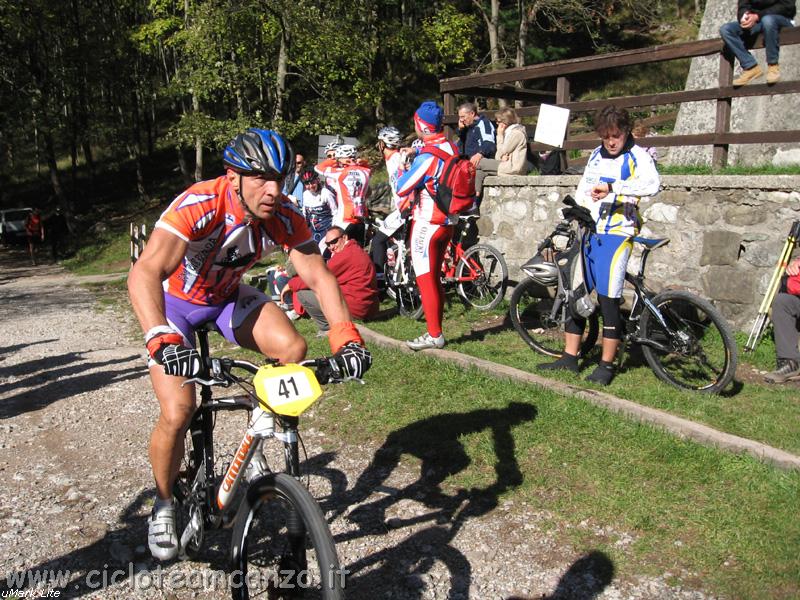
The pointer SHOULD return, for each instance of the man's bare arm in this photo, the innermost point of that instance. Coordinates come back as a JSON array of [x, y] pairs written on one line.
[[162, 255], [313, 271]]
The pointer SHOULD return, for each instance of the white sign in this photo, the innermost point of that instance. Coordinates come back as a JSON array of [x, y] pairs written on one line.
[[551, 127], [324, 140]]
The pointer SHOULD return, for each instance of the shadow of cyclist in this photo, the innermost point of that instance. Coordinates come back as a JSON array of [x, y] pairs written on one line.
[[586, 579], [437, 443]]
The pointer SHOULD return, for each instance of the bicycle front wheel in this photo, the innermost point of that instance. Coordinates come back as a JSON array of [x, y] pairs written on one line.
[[281, 545], [407, 296], [693, 348], [482, 276], [530, 309]]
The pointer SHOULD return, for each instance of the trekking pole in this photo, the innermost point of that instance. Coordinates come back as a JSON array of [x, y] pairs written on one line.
[[763, 312]]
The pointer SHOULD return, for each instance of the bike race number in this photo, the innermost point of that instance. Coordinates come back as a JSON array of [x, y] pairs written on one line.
[[287, 390]]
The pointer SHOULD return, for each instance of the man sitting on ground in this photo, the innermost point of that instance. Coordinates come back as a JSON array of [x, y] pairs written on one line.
[[355, 274], [786, 320]]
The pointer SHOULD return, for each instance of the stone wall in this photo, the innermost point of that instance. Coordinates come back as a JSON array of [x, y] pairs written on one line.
[[726, 232]]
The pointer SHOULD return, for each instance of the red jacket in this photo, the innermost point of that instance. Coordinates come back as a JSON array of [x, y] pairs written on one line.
[[355, 273], [793, 285]]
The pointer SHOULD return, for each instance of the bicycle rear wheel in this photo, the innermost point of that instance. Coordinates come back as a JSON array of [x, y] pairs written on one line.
[[482, 276], [281, 546], [696, 350], [530, 316]]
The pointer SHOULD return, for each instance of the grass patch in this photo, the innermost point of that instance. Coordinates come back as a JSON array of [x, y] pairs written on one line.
[[750, 409], [732, 170], [711, 519]]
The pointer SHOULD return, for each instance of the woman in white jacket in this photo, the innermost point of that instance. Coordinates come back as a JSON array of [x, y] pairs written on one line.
[[512, 147]]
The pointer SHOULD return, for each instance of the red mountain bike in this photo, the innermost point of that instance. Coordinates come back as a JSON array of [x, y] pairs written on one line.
[[478, 272]]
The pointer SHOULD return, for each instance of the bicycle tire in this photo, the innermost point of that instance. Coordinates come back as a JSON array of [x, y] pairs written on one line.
[[482, 277], [261, 568], [703, 356], [407, 296], [530, 316], [181, 492]]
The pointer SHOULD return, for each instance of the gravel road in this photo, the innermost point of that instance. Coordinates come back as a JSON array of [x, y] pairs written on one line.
[[75, 415]]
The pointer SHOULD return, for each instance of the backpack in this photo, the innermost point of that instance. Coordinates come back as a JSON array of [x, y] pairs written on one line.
[[456, 190]]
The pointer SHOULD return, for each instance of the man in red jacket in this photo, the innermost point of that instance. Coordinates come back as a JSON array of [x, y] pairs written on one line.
[[786, 321], [355, 273]]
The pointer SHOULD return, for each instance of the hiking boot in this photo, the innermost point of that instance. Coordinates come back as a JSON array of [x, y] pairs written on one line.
[[567, 362], [773, 73], [748, 75], [162, 536], [787, 370], [426, 341], [602, 374]]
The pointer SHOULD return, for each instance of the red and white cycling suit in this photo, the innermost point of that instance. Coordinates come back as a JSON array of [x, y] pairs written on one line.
[[431, 230], [223, 241], [422, 179], [351, 185]]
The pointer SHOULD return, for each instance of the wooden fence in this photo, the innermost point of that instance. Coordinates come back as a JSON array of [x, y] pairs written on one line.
[[138, 240], [501, 84]]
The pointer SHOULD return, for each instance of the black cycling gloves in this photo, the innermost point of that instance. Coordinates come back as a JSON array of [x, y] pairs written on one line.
[[350, 362], [179, 360]]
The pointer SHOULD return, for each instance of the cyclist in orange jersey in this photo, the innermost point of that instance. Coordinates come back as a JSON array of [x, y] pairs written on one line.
[[189, 274]]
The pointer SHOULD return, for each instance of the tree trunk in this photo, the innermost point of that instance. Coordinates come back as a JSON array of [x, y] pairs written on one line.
[[522, 42], [198, 145], [52, 166], [184, 166], [280, 76]]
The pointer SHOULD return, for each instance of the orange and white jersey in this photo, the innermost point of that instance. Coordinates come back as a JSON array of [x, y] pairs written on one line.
[[352, 183], [223, 242]]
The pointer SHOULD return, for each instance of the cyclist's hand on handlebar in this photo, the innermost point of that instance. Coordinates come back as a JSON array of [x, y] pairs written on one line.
[[350, 362], [179, 360]]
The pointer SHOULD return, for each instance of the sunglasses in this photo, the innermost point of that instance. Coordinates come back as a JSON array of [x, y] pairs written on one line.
[[333, 241]]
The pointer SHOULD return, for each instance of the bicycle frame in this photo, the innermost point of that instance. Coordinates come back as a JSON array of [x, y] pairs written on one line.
[[216, 499]]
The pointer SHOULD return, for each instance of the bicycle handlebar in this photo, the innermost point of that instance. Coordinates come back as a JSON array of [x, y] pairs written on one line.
[[218, 370]]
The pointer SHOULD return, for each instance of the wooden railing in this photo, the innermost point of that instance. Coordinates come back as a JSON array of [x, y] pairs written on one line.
[[500, 84]]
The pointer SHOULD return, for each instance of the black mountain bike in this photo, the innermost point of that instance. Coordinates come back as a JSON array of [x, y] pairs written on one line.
[[684, 339], [281, 546]]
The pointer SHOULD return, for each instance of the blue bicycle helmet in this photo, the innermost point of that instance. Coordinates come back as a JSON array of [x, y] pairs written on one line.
[[259, 152]]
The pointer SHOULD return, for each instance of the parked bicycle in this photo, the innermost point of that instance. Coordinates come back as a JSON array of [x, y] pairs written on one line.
[[684, 339], [478, 273], [281, 545]]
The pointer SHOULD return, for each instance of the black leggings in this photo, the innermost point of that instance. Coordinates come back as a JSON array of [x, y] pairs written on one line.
[[377, 250], [612, 319]]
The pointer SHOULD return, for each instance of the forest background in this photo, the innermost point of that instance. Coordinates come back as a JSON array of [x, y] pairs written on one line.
[[154, 88]]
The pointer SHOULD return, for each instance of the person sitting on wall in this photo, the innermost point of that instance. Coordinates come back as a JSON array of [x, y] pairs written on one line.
[[510, 157], [355, 274], [757, 16], [786, 323]]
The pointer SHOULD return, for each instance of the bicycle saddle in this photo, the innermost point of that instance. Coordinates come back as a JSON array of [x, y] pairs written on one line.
[[651, 243]]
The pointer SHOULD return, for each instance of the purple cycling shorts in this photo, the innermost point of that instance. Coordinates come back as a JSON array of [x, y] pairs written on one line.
[[227, 316]]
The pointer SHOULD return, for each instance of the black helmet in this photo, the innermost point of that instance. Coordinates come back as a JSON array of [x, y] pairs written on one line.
[[259, 152], [309, 176]]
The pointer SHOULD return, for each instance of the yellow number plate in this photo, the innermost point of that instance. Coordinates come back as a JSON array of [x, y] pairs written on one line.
[[287, 390]]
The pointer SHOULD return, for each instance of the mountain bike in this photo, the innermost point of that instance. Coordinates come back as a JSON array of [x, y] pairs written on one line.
[[684, 338], [281, 545], [479, 272]]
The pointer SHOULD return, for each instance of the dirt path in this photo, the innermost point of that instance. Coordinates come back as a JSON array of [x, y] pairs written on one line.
[[75, 414]]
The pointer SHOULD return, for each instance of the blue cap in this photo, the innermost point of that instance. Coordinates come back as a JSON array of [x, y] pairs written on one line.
[[429, 117]]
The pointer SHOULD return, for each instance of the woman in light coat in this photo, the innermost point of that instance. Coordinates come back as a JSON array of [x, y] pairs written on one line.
[[512, 146]]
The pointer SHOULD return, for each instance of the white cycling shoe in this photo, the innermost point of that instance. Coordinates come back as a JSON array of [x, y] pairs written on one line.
[[426, 341], [162, 536]]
